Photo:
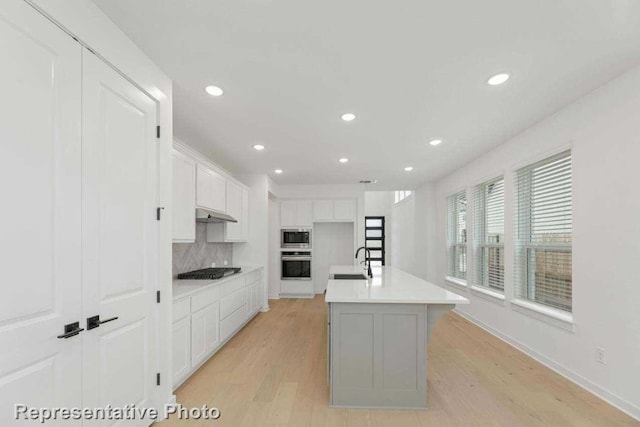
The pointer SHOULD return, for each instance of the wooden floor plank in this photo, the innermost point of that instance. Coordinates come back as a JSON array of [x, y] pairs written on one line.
[[273, 373]]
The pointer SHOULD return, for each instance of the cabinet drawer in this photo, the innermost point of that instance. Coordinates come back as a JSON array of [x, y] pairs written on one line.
[[253, 277], [229, 325], [233, 285], [204, 298], [232, 302], [180, 309]]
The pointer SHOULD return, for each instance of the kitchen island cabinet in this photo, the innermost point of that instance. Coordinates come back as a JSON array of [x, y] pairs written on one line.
[[379, 329]]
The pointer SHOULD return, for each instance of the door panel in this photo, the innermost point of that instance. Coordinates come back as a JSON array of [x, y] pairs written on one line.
[[40, 187], [119, 234]]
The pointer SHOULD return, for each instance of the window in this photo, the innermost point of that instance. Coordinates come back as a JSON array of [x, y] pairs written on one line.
[[543, 232], [457, 235], [374, 239], [401, 195], [488, 226]]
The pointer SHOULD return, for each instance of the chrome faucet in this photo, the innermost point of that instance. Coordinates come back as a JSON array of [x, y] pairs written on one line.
[[367, 259]]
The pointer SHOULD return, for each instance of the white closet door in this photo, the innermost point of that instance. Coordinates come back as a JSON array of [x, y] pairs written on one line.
[[40, 215], [120, 239]]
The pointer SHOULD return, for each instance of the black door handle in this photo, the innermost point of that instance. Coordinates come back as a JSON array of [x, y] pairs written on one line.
[[94, 321], [71, 330]]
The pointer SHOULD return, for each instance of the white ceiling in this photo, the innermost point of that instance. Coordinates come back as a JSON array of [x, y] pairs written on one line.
[[409, 70]]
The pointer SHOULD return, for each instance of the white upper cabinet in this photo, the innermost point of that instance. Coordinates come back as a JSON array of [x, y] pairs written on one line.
[[245, 214], [234, 208], [288, 213], [184, 198], [238, 208], [323, 210], [211, 189], [334, 210], [305, 213], [296, 213]]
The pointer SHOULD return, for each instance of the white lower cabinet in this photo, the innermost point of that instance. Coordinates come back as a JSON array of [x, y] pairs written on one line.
[[205, 337], [232, 323], [204, 321], [181, 349]]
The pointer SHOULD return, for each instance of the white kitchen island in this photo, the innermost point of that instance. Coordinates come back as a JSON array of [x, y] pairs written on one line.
[[378, 330]]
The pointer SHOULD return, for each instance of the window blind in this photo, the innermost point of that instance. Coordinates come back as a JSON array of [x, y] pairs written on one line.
[[457, 235], [544, 232], [488, 226]]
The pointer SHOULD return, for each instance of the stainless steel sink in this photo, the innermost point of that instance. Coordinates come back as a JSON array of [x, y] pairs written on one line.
[[349, 276]]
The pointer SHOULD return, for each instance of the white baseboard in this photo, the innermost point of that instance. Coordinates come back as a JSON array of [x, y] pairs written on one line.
[[614, 400], [275, 296], [297, 296]]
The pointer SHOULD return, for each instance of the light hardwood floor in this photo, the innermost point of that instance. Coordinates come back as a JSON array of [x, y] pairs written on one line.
[[273, 373]]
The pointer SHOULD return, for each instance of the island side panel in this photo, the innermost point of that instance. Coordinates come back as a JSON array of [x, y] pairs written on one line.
[[434, 313], [378, 355]]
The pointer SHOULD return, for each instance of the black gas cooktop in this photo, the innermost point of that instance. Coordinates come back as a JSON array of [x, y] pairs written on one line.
[[210, 273]]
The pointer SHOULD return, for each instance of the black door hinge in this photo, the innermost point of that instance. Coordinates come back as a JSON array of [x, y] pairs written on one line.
[[158, 378], [159, 210], [158, 297], [157, 131]]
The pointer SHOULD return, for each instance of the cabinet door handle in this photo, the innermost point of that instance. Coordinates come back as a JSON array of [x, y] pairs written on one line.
[[71, 330], [94, 321]]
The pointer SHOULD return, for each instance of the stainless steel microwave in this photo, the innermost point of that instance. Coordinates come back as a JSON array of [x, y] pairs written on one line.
[[299, 238]]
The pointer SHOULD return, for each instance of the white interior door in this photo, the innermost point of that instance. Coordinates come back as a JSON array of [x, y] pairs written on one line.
[[39, 233], [120, 239]]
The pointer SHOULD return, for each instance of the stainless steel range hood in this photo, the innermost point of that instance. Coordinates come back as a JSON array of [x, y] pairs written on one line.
[[204, 215]]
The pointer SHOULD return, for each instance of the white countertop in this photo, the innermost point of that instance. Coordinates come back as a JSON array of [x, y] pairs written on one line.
[[184, 288], [388, 285]]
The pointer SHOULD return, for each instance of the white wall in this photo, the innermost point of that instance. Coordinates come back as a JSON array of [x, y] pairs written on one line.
[[603, 130], [410, 227], [425, 233], [402, 247], [332, 245]]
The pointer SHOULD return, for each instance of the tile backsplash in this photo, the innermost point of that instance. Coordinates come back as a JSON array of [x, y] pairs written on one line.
[[192, 256]]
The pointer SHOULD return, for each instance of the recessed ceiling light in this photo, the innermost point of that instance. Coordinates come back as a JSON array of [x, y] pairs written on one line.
[[343, 160], [435, 142], [258, 147], [278, 171], [498, 79], [214, 90], [347, 117], [408, 168]]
